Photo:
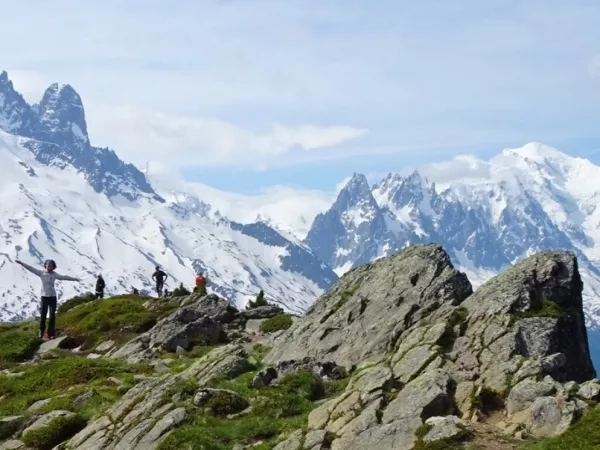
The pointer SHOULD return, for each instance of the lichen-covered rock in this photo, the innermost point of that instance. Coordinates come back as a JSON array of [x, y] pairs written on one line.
[[536, 305], [590, 390], [261, 312], [364, 314], [450, 427], [526, 392], [551, 416]]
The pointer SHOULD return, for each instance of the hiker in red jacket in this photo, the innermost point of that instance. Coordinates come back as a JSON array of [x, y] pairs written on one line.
[[200, 284]]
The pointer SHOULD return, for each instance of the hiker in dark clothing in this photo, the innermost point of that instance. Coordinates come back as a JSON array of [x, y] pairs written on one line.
[[48, 277], [100, 285], [159, 277]]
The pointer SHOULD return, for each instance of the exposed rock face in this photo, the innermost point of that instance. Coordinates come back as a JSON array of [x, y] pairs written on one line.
[[436, 350], [362, 317], [200, 322], [543, 295]]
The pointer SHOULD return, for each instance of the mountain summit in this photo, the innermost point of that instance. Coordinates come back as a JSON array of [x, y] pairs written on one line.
[[56, 132]]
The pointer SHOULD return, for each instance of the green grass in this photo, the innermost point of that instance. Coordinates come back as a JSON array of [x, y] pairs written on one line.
[[71, 303], [547, 309], [57, 431], [18, 342], [584, 435], [277, 323], [276, 409], [116, 318], [51, 378]]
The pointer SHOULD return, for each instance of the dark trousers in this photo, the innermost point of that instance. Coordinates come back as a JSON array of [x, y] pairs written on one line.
[[99, 294], [48, 305], [159, 287]]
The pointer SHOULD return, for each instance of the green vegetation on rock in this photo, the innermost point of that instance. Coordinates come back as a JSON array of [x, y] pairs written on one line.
[[58, 430], [548, 308], [75, 301], [277, 323], [260, 301], [584, 435], [52, 378], [180, 291], [276, 409], [117, 318], [18, 342]]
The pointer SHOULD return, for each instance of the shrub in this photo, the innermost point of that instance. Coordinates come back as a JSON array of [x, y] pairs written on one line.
[[58, 430], [303, 383], [279, 322], [260, 301], [7, 429], [223, 403], [180, 291]]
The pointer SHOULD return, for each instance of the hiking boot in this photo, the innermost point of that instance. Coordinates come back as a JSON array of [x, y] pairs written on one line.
[[45, 337]]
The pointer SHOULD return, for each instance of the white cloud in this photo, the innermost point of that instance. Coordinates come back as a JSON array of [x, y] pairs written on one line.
[[342, 184], [180, 140], [29, 83], [460, 167]]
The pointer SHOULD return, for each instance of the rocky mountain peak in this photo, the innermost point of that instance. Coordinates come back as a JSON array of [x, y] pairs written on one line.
[[61, 113], [57, 134]]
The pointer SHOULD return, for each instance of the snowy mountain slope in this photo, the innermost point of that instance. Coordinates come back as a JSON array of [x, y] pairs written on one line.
[[521, 201], [289, 210], [63, 198], [47, 211]]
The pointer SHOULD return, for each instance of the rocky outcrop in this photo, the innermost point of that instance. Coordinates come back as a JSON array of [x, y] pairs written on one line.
[[147, 413], [363, 316], [200, 322], [431, 350]]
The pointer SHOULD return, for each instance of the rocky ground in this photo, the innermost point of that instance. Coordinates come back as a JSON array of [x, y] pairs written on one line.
[[399, 355]]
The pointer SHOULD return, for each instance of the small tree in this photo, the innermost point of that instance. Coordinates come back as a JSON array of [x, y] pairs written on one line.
[[260, 301], [180, 291]]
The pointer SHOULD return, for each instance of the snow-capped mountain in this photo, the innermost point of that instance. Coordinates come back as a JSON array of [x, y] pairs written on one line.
[[56, 133], [82, 206], [521, 201]]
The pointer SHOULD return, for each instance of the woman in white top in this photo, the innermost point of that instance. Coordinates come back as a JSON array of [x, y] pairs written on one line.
[[48, 294]]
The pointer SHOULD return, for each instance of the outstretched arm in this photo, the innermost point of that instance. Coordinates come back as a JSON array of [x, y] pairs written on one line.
[[38, 272], [66, 278]]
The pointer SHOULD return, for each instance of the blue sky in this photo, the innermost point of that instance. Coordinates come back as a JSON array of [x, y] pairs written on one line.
[[245, 94]]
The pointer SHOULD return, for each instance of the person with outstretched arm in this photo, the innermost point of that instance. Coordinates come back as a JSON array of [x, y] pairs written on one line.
[[159, 277], [48, 294]]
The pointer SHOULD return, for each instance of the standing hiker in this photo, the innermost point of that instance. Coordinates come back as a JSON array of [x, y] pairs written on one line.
[[200, 284], [100, 285], [48, 294], [159, 277]]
